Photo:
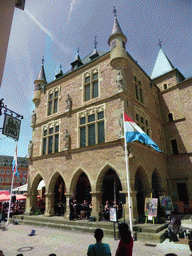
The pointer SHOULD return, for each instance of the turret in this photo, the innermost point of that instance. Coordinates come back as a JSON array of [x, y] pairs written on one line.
[[39, 83], [117, 41], [77, 62]]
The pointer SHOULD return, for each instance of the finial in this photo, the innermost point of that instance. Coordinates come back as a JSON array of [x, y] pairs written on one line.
[[60, 67], [115, 11], [43, 60], [78, 51], [95, 42], [160, 45]]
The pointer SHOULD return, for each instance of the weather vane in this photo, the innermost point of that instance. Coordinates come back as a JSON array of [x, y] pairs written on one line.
[[115, 11], [160, 43], [43, 60], [95, 42]]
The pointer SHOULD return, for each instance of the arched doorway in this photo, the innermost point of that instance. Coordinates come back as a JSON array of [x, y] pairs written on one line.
[[59, 197], [141, 187], [110, 187], [83, 189], [156, 185]]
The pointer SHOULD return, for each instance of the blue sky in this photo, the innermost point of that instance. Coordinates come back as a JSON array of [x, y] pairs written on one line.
[[56, 29]]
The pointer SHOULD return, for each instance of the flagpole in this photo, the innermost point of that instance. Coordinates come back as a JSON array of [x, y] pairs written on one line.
[[128, 184], [10, 198]]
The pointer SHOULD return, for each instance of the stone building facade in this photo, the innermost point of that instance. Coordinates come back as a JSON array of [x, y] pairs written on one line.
[[77, 145]]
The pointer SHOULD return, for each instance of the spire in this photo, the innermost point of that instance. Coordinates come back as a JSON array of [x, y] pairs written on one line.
[[162, 65], [60, 73], [116, 26], [95, 53], [116, 31], [77, 62], [41, 76]]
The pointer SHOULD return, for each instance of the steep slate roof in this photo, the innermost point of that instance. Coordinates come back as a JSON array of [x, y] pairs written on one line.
[[162, 65], [41, 76]]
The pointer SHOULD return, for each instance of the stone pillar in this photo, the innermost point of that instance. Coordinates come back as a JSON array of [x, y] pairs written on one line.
[[49, 204], [134, 204], [31, 203], [68, 197], [96, 201]]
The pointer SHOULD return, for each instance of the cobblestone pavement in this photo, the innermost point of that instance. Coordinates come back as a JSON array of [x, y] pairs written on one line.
[[15, 240]]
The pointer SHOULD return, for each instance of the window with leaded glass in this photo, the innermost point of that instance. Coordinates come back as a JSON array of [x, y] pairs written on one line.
[[143, 123], [91, 88], [91, 128], [138, 90], [53, 101], [50, 140]]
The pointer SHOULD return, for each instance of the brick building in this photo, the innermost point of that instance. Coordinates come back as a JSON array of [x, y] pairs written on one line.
[[6, 172], [77, 145]]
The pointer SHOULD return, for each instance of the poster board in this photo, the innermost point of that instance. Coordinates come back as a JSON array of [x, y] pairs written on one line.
[[151, 207], [113, 214], [166, 203]]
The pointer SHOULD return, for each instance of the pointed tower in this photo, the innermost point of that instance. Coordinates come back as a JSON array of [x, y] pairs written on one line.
[[77, 62], [162, 65], [95, 53], [60, 73], [39, 83], [117, 41]]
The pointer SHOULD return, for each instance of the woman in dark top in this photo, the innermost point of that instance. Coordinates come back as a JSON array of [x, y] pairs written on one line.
[[125, 246]]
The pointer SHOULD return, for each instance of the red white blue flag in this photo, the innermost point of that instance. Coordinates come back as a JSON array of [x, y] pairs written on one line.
[[14, 164], [133, 132]]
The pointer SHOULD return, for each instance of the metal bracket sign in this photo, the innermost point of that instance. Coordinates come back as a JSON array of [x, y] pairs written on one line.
[[11, 126]]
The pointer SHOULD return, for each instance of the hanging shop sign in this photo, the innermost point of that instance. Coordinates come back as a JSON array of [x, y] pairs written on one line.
[[11, 126]]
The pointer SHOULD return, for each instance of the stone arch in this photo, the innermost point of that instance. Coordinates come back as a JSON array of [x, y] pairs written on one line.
[[108, 184], [156, 183], [142, 188], [101, 175], [80, 186], [57, 189], [36, 204], [34, 184]]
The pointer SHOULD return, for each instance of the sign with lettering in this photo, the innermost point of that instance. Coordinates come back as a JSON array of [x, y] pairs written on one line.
[[11, 127]]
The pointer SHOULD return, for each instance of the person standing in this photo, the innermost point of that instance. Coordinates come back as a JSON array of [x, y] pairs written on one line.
[[71, 207], [99, 248], [125, 246]]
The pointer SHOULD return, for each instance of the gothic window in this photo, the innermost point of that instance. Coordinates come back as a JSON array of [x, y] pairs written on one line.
[[170, 117], [174, 147], [91, 89], [1, 179], [138, 90], [50, 139], [7, 179], [8, 172], [2, 171], [143, 123], [53, 96], [92, 127]]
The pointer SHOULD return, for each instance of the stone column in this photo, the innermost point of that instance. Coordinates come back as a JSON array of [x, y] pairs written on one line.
[[134, 204], [96, 201], [31, 202], [49, 204], [67, 213]]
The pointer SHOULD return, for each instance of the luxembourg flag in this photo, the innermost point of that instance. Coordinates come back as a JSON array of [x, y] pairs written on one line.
[[14, 164], [133, 132]]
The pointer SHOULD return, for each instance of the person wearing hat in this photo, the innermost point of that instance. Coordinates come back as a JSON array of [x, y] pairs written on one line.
[[125, 246]]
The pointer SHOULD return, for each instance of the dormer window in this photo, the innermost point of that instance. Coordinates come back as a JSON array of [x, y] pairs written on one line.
[[165, 86]]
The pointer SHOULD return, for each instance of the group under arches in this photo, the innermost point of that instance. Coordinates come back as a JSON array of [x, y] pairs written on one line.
[[106, 185]]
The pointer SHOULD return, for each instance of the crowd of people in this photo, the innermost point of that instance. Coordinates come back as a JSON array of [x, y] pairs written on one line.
[[80, 211], [83, 210], [16, 208], [104, 214], [125, 246]]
